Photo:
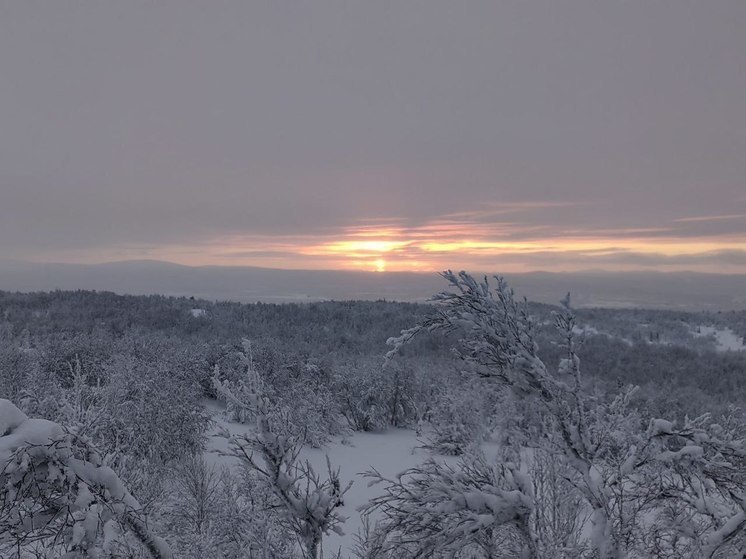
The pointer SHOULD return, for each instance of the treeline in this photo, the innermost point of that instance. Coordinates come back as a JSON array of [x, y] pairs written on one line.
[[88, 327], [360, 327]]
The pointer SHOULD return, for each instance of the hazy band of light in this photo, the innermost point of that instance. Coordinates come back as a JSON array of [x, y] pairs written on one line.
[[455, 241]]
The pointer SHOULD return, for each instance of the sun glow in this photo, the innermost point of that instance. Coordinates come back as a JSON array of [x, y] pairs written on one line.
[[367, 254], [435, 245], [448, 242], [355, 247]]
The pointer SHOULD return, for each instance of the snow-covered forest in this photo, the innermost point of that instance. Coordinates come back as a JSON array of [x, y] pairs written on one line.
[[476, 426]]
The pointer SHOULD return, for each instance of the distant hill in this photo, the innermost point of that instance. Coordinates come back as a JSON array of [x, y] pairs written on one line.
[[674, 290]]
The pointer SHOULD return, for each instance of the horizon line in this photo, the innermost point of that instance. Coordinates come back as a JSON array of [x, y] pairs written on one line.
[[368, 272]]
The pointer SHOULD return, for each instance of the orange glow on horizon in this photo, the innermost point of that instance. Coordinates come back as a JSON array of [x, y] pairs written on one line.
[[354, 248], [405, 250], [448, 243]]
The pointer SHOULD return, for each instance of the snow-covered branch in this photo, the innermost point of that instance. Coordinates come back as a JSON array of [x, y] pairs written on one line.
[[435, 509], [629, 479], [308, 501], [54, 486]]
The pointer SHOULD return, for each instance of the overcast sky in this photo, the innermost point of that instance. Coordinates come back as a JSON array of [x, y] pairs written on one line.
[[508, 136]]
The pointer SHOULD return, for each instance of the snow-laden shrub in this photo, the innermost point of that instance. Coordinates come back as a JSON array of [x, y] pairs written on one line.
[[58, 494], [360, 390], [473, 509], [302, 400], [454, 429], [211, 512], [150, 414], [23, 380], [559, 518], [460, 418], [303, 388], [314, 411], [17, 365], [307, 502], [373, 398]]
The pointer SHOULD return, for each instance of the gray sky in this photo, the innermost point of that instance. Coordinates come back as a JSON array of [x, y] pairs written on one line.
[[376, 135]]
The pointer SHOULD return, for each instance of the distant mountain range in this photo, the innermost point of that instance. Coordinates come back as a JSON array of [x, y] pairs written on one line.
[[674, 290]]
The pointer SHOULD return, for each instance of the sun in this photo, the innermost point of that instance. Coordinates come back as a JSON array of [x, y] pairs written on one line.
[[380, 265]]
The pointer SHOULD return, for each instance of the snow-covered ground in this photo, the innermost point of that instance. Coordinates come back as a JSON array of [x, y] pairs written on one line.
[[587, 331], [725, 338], [389, 453]]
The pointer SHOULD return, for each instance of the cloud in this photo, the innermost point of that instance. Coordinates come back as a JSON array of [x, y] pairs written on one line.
[[711, 218], [456, 239], [253, 131]]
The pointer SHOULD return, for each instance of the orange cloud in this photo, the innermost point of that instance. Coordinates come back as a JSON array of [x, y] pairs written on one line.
[[463, 241]]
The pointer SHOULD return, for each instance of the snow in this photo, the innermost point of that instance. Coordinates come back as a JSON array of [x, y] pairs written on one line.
[[689, 451], [586, 330], [10, 417], [717, 538], [17, 430], [660, 427], [725, 338], [390, 453]]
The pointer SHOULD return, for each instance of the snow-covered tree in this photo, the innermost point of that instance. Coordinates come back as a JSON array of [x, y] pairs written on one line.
[[57, 492], [214, 512], [308, 502], [473, 510], [460, 418], [682, 488], [299, 388]]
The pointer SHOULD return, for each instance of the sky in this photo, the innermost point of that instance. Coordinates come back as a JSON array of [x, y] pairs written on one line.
[[417, 135]]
